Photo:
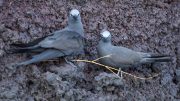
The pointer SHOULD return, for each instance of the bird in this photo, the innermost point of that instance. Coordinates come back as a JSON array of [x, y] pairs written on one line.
[[122, 57], [74, 24], [66, 42]]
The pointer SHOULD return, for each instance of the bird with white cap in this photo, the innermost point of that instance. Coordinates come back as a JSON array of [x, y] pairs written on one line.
[[121, 57], [65, 42]]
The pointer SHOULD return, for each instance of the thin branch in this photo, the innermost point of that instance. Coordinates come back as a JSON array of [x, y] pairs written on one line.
[[111, 68], [102, 57]]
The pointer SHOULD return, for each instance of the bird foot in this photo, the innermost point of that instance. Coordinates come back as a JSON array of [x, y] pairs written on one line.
[[72, 64], [120, 72]]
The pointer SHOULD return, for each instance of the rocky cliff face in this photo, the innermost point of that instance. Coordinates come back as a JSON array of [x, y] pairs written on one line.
[[142, 25]]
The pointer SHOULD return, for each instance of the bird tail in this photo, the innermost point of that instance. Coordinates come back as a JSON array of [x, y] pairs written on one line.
[[17, 50], [161, 59], [152, 55], [150, 58], [20, 48], [28, 47], [30, 44], [20, 45], [48, 54]]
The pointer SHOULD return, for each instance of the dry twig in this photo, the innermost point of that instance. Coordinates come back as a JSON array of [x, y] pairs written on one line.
[[112, 68]]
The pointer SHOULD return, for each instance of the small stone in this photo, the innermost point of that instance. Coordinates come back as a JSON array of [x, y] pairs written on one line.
[[2, 28], [23, 25], [105, 79], [52, 78], [1, 2], [29, 98], [166, 79], [110, 88], [2, 53], [177, 77], [36, 71]]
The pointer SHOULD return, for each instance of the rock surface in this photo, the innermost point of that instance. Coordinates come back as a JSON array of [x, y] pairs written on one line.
[[142, 25]]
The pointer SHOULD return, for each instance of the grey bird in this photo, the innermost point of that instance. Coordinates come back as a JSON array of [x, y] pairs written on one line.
[[74, 24], [65, 42], [121, 57]]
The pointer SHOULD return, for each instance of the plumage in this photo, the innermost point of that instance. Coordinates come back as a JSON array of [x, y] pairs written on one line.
[[121, 57], [68, 41]]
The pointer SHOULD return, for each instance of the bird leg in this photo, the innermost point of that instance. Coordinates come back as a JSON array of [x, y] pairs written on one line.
[[102, 57], [72, 64], [119, 71]]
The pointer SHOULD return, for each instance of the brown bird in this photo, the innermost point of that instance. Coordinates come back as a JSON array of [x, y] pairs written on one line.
[[121, 57], [65, 42]]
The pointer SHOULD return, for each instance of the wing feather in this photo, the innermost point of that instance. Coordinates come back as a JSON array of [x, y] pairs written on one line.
[[66, 40]]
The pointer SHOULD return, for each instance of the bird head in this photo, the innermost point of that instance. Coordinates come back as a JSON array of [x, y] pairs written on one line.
[[74, 15], [106, 35]]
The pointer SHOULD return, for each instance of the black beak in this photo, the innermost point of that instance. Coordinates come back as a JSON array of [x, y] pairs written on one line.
[[75, 17]]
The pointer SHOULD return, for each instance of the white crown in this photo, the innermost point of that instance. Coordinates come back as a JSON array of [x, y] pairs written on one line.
[[74, 12], [105, 34]]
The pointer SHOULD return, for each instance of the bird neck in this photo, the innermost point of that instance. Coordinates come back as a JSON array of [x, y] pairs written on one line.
[[76, 26], [107, 42]]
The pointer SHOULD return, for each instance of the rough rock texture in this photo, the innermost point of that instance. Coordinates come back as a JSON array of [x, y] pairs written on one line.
[[142, 25]]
